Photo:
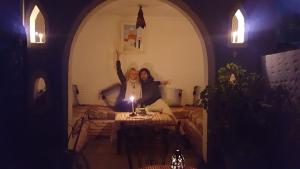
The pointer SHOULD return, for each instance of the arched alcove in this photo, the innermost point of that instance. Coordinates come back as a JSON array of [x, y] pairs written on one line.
[[172, 50], [38, 90], [191, 19], [238, 28], [37, 26], [39, 87]]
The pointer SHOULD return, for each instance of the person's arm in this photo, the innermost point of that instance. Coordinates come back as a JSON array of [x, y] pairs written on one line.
[[143, 101], [162, 82], [119, 70]]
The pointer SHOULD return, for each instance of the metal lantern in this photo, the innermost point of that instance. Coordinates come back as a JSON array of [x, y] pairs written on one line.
[[232, 78], [140, 25], [177, 160], [140, 21]]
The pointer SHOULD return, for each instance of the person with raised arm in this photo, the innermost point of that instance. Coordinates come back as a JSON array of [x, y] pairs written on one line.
[[130, 87]]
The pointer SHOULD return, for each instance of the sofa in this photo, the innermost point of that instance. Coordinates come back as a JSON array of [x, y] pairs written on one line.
[[195, 129], [101, 120]]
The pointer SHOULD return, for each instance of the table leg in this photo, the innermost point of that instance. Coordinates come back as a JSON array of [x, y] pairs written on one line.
[[120, 134], [119, 141]]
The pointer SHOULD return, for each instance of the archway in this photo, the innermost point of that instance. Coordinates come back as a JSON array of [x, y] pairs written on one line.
[[191, 18]]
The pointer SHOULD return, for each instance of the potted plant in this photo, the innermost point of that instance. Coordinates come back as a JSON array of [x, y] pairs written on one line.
[[237, 107]]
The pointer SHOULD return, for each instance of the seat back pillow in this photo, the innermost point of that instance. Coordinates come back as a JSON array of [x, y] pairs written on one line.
[[110, 94], [172, 96]]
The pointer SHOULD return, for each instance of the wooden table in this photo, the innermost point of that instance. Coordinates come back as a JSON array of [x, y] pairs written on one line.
[[163, 167], [123, 119], [151, 118]]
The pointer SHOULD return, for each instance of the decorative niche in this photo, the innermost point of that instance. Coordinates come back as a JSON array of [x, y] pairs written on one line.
[[40, 94], [37, 26], [39, 88], [238, 28]]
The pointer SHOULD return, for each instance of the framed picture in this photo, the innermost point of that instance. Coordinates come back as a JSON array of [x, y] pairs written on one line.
[[132, 38]]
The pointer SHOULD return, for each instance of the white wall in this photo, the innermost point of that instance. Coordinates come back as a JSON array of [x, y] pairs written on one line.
[[172, 51]]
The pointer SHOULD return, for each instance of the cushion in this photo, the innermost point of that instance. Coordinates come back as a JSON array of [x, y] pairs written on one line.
[[172, 96], [95, 112], [180, 112], [110, 94]]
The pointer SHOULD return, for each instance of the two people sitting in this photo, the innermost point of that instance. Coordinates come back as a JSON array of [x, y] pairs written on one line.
[[140, 85]]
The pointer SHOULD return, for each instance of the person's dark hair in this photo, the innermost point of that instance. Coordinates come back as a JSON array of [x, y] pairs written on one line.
[[148, 72]]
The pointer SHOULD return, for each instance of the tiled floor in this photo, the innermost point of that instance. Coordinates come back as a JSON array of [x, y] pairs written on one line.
[[101, 154]]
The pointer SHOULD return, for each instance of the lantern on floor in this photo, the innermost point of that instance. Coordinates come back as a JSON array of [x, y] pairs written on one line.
[[177, 160]]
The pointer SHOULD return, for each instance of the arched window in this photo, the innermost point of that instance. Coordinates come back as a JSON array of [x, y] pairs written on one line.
[[37, 26], [238, 28], [39, 87]]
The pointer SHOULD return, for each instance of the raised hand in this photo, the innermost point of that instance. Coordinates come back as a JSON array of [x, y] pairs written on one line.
[[165, 82], [118, 54]]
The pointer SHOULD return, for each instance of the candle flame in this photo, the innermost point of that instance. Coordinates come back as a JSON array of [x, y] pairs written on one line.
[[131, 98]]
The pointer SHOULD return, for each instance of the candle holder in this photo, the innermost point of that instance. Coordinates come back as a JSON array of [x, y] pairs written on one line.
[[132, 107], [141, 111]]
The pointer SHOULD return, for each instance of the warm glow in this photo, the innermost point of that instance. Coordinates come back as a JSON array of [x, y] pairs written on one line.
[[232, 78], [33, 17], [37, 26], [131, 98], [41, 37], [238, 28], [39, 87]]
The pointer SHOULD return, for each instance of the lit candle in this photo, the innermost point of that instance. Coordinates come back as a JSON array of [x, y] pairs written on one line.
[[41, 37], [36, 36], [234, 37], [132, 106]]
